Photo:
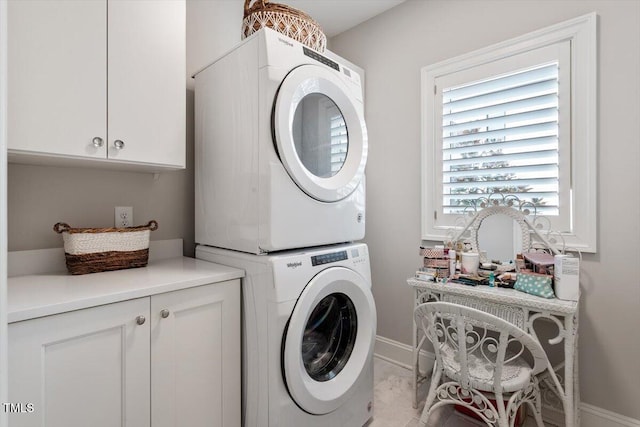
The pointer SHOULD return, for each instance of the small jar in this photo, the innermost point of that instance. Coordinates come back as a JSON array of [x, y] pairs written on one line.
[[452, 262]]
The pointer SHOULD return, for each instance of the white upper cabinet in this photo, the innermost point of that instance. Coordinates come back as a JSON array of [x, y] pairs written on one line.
[[147, 69], [97, 80], [57, 74]]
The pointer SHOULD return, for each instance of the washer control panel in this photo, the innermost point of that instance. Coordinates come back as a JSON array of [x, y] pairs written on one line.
[[354, 254], [328, 258], [357, 256]]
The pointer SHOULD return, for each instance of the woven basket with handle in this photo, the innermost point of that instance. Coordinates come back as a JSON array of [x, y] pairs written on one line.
[[92, 250], [286, 20]]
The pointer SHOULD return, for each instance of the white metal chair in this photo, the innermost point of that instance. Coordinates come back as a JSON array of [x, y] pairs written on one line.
[[481, 357]]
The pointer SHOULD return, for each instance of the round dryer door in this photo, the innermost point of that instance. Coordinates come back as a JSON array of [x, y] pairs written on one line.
[[320, 133], [329, 340]]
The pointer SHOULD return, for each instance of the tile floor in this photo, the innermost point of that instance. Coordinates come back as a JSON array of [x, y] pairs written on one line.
[[392, 401]]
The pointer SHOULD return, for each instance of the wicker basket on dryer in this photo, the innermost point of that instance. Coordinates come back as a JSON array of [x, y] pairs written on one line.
[[92, 250], [286, 20]]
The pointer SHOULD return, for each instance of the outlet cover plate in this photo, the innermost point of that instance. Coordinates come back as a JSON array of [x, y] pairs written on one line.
[[123, 216]]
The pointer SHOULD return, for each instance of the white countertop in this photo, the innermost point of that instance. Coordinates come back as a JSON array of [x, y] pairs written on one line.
[[38, 295], [499, 295]]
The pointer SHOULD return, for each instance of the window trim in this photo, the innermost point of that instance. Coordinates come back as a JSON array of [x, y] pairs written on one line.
[[582, 34]]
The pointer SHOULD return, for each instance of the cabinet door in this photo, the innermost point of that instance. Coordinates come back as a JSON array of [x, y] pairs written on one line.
[[147, 81], [195, 357], [83, 368], [57, 81]]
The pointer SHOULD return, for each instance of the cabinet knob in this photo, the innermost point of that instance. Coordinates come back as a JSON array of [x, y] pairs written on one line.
[[97, 142], [119, 144], [140, 320], [165, 313]]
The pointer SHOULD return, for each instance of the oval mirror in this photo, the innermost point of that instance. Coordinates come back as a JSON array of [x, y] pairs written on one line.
[[500, 236], [499, 231]]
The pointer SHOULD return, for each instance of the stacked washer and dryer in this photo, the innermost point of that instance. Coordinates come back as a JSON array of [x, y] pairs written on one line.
[[281, 148]]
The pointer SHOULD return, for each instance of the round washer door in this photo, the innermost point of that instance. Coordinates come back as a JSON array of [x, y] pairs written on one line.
[[329, 340], [320, 133]]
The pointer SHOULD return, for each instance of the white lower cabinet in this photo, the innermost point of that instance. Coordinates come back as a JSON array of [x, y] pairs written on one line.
[[195, 357], [168, 360], [82, 368]]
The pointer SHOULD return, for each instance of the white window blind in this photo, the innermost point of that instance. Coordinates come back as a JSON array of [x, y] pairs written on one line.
[[500, 135], [339, 142]]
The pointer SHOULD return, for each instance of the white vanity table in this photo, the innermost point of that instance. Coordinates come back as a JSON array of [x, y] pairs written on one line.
[[155, 346], [522, 310], [560, 386]]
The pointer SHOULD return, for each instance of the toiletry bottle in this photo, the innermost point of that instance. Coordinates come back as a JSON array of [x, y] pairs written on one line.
[[492, 279], [452, 263]]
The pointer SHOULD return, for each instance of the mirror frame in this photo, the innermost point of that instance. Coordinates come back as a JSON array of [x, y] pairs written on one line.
[[523, 212], [517, 216]]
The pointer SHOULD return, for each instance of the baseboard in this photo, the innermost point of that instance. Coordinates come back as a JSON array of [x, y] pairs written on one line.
[[590, 416], [402, 354], [593, 416]]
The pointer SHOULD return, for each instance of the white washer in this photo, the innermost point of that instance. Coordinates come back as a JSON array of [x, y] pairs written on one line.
[[280, 148], [309, 325]]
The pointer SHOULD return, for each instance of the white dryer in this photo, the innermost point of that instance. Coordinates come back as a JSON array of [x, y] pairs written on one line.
[[280, 148], [309, 324]]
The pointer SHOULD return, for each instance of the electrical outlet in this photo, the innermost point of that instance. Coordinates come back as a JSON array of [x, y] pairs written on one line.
[[123, 216]]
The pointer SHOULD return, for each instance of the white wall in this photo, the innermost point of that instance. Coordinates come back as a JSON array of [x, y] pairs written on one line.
[[213, 28], [40, 196], [392, 48], [3, 210]]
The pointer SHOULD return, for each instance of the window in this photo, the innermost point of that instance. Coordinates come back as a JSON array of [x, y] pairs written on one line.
[[501, 136], [516, 118], [320, 135], [339, 142]]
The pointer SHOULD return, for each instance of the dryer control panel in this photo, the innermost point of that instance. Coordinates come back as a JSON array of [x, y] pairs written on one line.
[[349, 75], [320, 58]]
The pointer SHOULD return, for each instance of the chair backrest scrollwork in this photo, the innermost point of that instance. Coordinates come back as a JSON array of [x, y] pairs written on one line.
[[466, 337]]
